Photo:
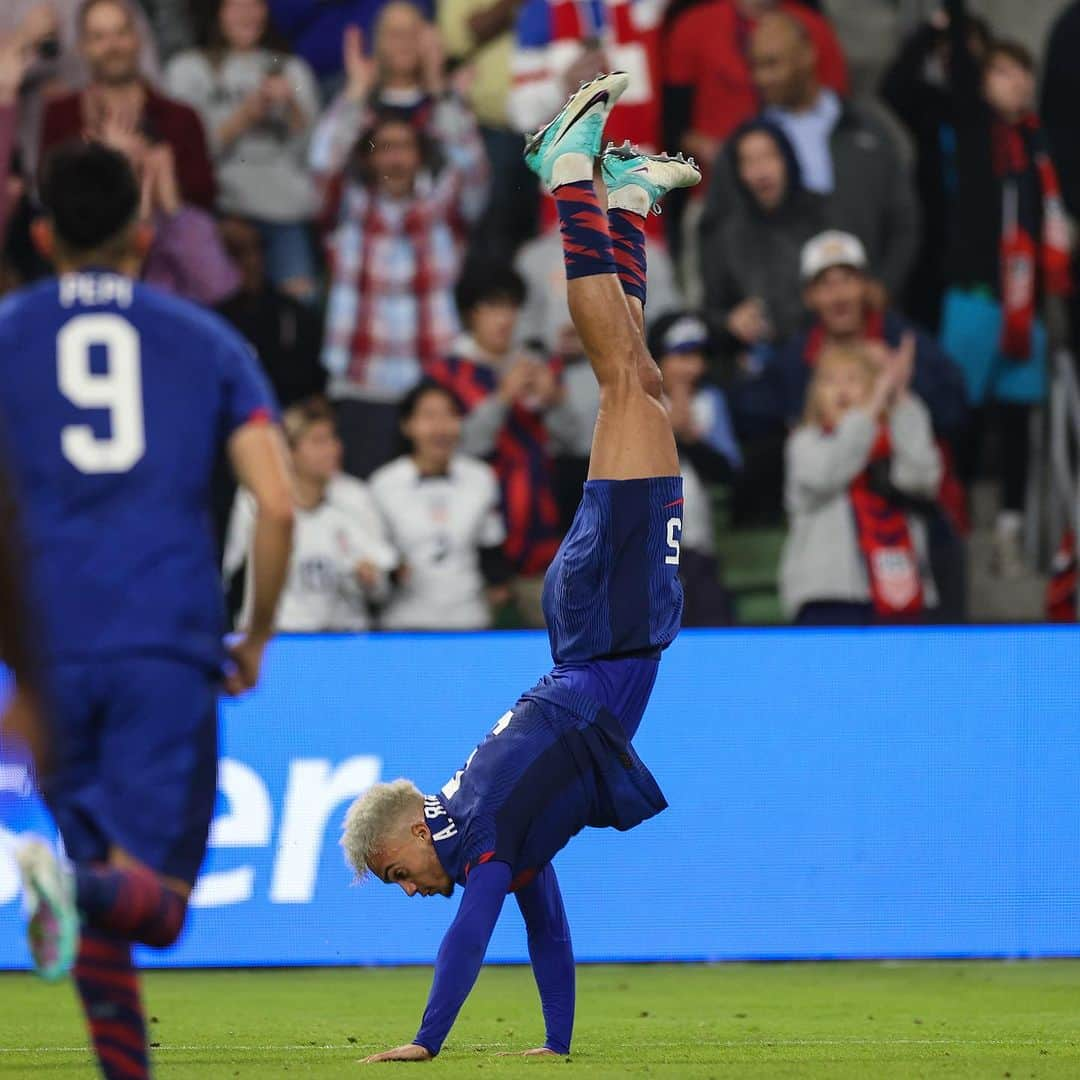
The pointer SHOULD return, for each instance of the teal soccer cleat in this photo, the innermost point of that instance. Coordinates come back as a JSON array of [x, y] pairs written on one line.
[[655, 174], [578, 129], [53, 930]]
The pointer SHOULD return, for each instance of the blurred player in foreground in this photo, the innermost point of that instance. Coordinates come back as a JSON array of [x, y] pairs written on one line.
[[116, 401], [23, 724], [561, 758]]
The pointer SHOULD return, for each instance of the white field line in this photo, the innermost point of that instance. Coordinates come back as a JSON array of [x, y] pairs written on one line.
[[729, 1043]]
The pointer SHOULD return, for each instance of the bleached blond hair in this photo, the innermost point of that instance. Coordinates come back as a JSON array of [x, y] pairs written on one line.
[[383, 811]]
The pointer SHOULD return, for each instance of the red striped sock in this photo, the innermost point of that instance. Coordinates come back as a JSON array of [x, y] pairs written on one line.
[[109, 990], [131, 903], [584, 225], [628, 240]]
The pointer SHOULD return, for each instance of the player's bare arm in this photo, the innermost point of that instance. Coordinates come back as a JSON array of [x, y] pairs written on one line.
[[258, 458], [497, 823]]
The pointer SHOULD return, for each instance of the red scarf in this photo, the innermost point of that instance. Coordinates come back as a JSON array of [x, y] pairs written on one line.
[[1061, 588], [1016, 149], [885, 541]]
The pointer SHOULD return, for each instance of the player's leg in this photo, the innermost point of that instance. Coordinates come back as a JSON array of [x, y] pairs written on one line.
[[153, 801], [635, 183], [633, 437], [160, 756], [100, 963], [613, 588]]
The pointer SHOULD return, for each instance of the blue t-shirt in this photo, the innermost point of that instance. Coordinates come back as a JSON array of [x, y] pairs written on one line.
[[116, 401]]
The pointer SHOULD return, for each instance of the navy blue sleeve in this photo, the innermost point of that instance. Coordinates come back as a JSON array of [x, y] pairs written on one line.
[[246, 394], [552, 956], [462, 951]]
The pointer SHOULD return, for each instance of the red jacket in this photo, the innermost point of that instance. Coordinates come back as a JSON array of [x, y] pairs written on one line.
[[163, 120], [707, 50]]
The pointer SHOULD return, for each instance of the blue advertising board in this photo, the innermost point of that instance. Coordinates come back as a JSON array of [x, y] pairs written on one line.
[[833, 794]]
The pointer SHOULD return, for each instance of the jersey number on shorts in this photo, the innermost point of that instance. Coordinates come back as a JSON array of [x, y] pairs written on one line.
[[674, 531], [118, 388]]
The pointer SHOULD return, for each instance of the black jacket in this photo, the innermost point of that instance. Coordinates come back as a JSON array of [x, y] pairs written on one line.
[[1060, 95], [755, 253], [974, 248], [286, 336], [925, 109]]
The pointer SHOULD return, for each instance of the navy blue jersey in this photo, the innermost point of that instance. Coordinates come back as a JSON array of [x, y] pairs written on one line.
[[115, 401], [557, 762], [613, 587]]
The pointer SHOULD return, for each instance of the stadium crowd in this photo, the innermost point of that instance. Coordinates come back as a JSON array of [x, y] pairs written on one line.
[[849, 311]]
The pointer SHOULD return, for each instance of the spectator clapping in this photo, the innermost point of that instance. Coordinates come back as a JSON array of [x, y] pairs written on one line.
[[858, 469]]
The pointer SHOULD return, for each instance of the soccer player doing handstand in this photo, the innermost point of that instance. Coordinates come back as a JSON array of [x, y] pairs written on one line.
[[561, 758]]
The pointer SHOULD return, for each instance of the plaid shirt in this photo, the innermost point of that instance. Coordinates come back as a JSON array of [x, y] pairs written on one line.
[[395, 261]]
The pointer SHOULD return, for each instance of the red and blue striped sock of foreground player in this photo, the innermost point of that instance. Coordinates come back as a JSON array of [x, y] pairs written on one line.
[[109, 990], [130, 902], [584, 226], [627, 231]]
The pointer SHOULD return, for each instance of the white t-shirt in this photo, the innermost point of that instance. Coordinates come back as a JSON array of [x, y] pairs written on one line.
[[438, 524], [322, 592]]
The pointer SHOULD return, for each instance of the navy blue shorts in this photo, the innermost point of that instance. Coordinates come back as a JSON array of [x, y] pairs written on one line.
[[136, 760], [613, 587]]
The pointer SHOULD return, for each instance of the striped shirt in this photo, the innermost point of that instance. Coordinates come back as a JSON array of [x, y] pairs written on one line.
[[521, 460]]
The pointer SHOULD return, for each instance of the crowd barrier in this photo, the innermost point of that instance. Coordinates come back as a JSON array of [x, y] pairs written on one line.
[[893, 793]]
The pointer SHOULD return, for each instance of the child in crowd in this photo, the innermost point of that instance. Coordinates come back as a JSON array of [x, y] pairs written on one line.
[[858, 469], [340, 559], [444, 516]]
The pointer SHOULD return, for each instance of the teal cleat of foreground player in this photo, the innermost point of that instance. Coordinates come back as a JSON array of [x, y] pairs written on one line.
[[53, 930], [578, 128], [656, 174]]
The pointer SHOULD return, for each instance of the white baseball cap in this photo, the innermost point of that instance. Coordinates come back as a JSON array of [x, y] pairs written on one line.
[[829, 249]]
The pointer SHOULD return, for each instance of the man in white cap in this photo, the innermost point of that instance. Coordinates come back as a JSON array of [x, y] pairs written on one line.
[[837, 289]]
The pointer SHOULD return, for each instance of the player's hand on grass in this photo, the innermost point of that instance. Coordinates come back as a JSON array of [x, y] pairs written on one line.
[[246, 657], [538, 1051], [409, 1052]]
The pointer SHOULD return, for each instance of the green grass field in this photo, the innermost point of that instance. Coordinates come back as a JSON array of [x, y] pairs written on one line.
[[837, 1020]]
